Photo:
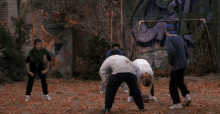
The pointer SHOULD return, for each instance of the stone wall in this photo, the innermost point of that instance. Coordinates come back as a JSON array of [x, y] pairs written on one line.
[[12, 11], [9, 9], [4, 13], [157, 59]]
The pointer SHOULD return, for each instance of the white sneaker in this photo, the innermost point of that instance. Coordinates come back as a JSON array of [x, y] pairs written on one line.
[[47, 97], [176, 106], [126, 90], [102, 91], [188, 100], [154, 98], [130, 99], [27, 97]]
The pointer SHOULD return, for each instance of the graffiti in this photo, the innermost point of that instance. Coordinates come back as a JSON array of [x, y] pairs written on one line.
[[52, 34], [152, 33]]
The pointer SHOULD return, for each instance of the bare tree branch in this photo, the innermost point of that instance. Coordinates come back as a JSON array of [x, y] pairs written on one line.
[[100, 24]]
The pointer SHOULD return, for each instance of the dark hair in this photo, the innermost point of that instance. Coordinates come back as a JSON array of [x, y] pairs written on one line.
[[114, 52], [116, 45], [36, 41]]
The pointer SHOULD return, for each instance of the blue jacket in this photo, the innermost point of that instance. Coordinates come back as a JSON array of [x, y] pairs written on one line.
[[108, 53], [178, 52]]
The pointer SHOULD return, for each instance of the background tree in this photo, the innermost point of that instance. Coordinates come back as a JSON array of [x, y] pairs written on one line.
[[12, 57]]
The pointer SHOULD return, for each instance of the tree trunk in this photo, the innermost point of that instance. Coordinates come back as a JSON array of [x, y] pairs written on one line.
[[112, 25], [122, 28]]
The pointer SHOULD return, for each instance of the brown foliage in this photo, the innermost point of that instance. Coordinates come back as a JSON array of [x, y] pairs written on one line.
[[81, 65], [161, 73], [83, 97], [202, 67]]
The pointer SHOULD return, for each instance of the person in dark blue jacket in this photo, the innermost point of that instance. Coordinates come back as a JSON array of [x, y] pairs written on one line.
[[123, 85], [115, 46], [178, 55]]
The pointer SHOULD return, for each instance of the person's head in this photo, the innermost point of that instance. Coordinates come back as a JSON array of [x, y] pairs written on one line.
[[37, 43], [145, 79], [169, 29], [115, 52], [116, 46]]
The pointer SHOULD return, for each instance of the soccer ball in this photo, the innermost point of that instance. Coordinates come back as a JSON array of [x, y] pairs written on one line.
[[146, 98]]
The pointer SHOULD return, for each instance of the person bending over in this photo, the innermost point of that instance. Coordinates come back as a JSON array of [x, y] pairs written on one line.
[[123, 70], [146, 77]]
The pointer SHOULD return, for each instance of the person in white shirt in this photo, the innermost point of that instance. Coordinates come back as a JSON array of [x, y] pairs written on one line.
[[146, 77], [103, 85], [123, 70]]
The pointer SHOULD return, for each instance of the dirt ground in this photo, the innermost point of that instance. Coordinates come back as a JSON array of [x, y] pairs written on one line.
[[83, 97]]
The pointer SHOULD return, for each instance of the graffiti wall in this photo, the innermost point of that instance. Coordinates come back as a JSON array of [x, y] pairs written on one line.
[[57, 40], [63, 43], [152, 35]]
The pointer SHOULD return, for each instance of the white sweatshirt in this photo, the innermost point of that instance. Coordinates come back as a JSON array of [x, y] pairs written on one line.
[[118, 64], [144, 67]]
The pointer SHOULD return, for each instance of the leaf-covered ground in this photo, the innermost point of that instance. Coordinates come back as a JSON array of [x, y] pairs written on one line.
[[83, 97]]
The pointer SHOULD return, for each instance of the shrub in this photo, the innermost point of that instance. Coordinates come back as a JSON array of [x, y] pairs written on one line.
[[12, 59], [95, 52]]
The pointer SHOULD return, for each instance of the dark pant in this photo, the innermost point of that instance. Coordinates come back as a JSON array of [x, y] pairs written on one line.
[[177, 81], [31, 81], [123, 85], [113, 84]]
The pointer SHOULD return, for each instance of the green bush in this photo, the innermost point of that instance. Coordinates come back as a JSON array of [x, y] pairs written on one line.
[[11, 60], [95, 52]]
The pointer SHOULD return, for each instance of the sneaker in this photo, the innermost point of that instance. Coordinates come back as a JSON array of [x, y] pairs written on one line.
[[105, 110], [27, 97], [102, 91], [154, 98], [130, 99], [126, 90], [177, 106], [141, 110], [188, 100], [47, 97]]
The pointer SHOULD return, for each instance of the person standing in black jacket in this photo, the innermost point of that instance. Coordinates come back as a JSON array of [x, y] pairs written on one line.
[[178, 59], [34, 64]]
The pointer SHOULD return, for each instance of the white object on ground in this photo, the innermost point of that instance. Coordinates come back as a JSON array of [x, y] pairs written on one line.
[[188, 100], [154, 98], [27, 97], [176, 106], [130, 99], [47, 97]]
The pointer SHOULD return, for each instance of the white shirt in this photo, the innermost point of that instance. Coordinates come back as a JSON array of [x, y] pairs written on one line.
[[118, 64], [144, 67]]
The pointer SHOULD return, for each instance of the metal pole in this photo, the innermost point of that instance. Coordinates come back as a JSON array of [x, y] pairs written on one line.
[[151, 21], [210, 40], [135, 42], [185, 20], [218, 41], [210, 54], [122, 28]]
